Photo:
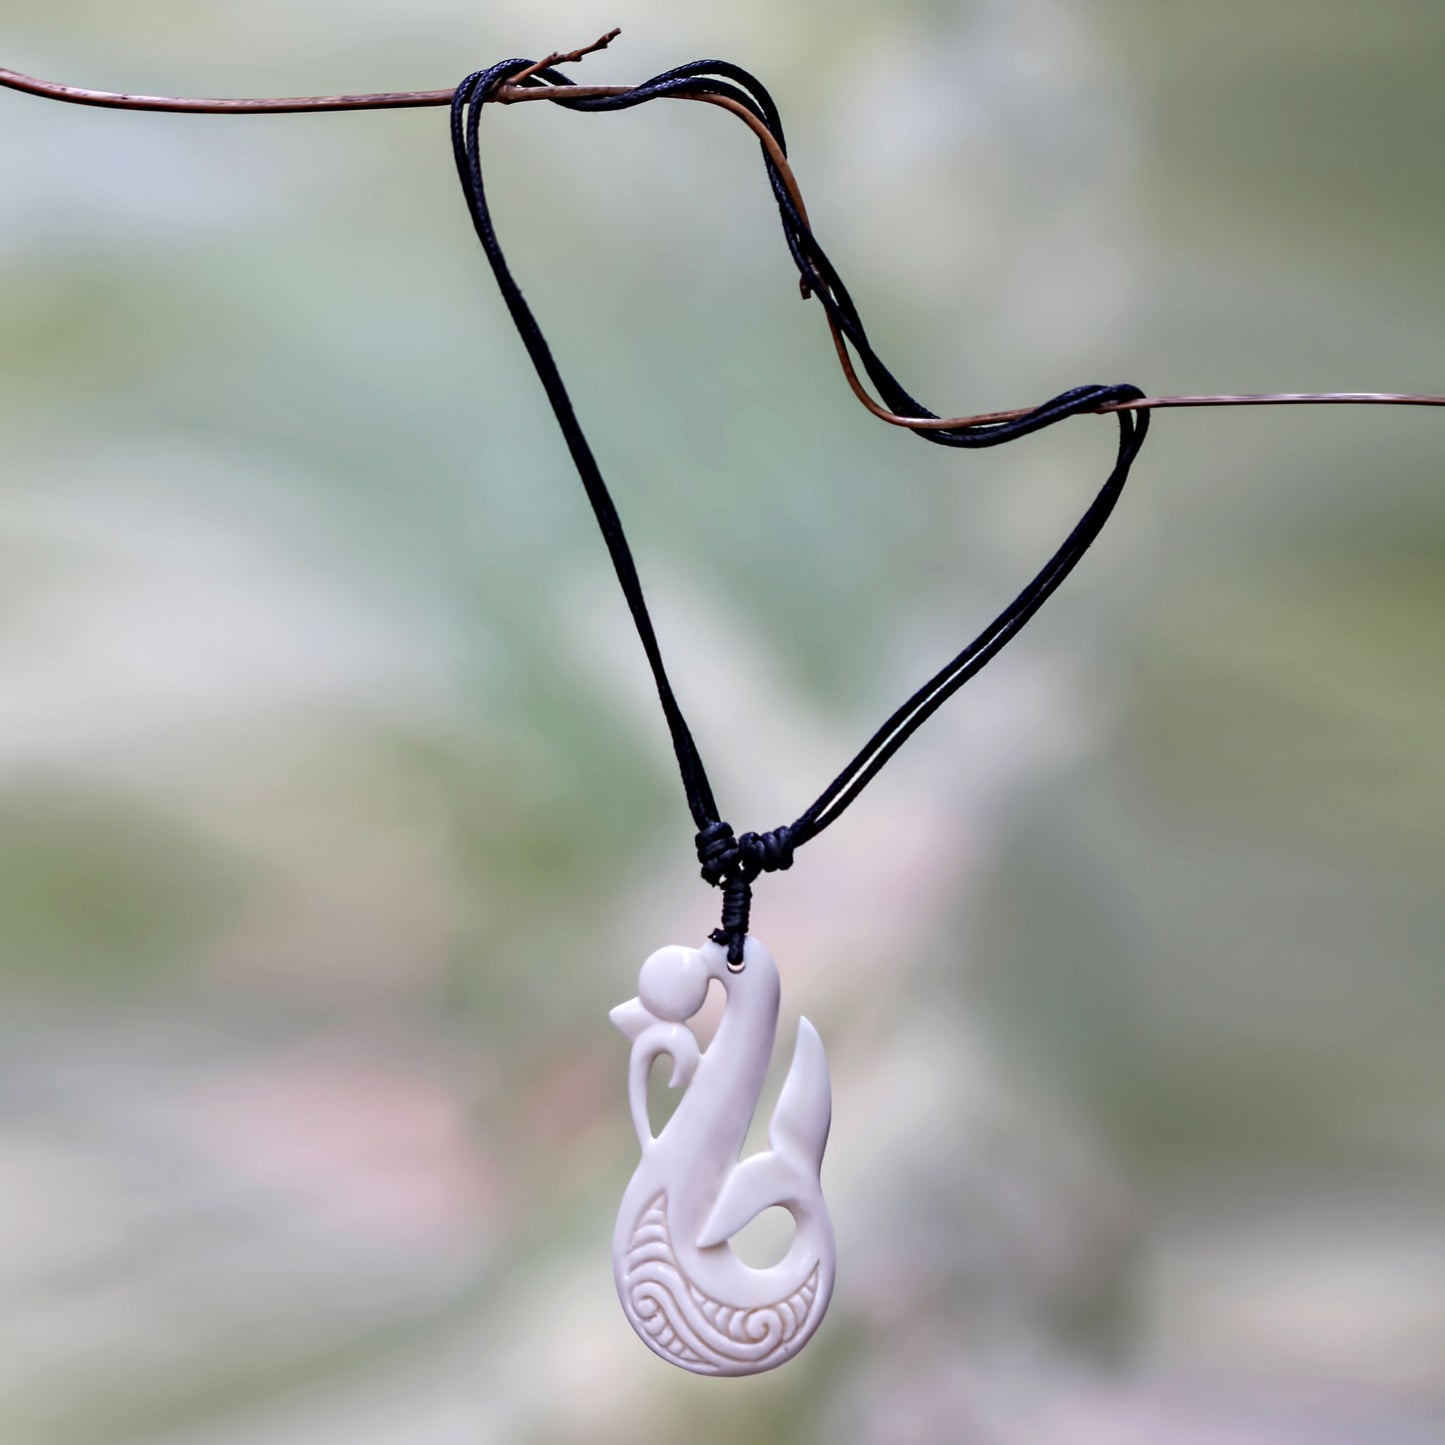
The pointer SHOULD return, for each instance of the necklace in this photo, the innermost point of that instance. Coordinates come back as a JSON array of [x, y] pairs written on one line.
[[683, 1288], [685, 1292]]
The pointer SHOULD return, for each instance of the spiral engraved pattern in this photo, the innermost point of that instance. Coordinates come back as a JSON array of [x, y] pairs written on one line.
[[702, 1334]]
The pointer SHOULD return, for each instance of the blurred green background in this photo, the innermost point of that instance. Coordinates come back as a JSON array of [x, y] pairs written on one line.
[[335, 811]]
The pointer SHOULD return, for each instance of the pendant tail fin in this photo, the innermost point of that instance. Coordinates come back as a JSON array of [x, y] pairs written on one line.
[[786, 1174], [758, 1183], [799, 1128]]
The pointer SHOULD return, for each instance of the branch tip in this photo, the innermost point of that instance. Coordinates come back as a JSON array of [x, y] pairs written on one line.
[[565, 57]]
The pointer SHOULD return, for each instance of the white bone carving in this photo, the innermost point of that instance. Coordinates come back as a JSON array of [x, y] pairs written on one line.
[[684, 1290]]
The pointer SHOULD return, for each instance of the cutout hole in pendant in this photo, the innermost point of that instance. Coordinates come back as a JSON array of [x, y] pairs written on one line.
[[662, 1101], [764, 1241]]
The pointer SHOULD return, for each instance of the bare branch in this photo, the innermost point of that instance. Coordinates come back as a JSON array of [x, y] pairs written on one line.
[[518, 89], [558, 57]]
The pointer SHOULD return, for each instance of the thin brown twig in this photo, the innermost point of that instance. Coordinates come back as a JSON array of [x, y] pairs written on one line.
[[518, 90], [1284, 398], [565, 57]]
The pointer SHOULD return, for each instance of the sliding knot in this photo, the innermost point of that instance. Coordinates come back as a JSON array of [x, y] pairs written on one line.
[[717, 851], [767, 852], [732, 864], [724, 856]]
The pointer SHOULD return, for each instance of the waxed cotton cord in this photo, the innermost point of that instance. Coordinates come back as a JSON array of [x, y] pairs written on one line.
[[728, 861]]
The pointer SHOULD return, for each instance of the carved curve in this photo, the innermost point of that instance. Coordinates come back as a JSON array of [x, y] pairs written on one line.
[[706, 1335]]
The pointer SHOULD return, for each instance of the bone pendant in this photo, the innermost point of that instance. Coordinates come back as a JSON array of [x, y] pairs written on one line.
[[690, 1298]]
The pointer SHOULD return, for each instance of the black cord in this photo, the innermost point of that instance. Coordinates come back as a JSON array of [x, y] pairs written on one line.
[[733, 862]]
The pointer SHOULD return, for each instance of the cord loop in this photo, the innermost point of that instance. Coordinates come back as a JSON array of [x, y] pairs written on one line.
[[729, 862]]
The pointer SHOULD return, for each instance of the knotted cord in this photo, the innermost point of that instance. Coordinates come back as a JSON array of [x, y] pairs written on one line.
[[728, 861]]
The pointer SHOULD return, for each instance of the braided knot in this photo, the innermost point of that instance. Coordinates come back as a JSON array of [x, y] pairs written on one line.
[[732, 863]]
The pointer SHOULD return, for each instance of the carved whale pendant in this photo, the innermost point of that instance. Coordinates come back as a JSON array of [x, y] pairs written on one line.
[[685, 1291]]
